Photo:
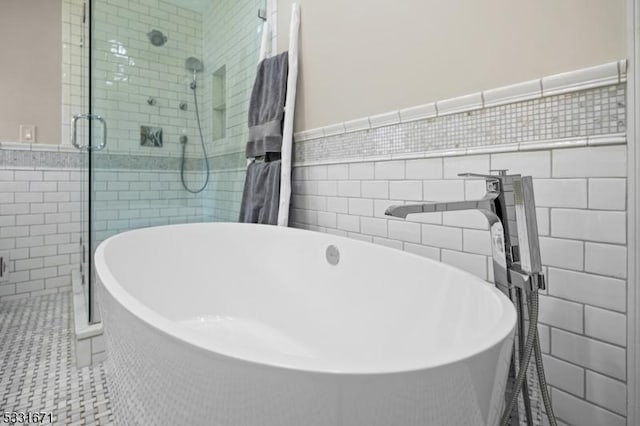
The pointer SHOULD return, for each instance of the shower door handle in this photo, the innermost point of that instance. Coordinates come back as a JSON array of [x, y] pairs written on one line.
[[74, 136], [103, 143]]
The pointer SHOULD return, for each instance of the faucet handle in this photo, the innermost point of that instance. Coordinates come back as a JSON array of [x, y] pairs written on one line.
[[478, 175], [498, 173], [493, 183]]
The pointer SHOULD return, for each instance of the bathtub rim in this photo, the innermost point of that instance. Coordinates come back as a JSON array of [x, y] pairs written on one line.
[[497, 335]]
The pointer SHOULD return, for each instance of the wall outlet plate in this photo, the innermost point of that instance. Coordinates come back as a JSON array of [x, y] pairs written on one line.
[[28, 133]]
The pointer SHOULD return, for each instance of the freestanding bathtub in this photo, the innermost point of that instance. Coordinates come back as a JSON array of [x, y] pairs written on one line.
[[237, 324]]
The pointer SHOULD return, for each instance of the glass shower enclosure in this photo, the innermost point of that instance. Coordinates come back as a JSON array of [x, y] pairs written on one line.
[[166, 123]]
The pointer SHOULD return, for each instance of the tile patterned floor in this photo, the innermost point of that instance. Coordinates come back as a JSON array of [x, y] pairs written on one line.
[[37, 365]]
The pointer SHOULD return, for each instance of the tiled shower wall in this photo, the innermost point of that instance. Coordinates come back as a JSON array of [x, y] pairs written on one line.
[[221, 200], [133, 198], [225, 35], [134, 186], [231, 35], [129, 71], [580, 194]]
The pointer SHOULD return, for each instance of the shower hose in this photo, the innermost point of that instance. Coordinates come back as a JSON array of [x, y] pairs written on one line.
[[532, 345], [204, 152]]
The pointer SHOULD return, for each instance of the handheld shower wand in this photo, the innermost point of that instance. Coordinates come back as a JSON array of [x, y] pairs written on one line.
[[195, 65]]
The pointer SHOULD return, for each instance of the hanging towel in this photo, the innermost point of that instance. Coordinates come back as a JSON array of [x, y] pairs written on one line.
[[261, 195], [266, 107]]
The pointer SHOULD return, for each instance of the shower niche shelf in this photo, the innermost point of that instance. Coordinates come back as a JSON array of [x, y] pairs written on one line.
[[219, 102]]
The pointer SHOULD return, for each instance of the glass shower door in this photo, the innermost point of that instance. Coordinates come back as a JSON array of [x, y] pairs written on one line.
[[75, 103], [171, 85]]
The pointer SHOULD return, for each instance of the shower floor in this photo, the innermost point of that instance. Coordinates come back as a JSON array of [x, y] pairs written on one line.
[[37, 366]]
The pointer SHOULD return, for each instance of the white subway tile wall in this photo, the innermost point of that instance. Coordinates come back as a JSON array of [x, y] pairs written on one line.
[[580, 194], [580, 411], [40, 225], [221, 199], [130, 199], [129, 70], [231, 34]]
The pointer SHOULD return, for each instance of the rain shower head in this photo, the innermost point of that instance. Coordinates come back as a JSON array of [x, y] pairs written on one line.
[[193, 64], [157, 38]]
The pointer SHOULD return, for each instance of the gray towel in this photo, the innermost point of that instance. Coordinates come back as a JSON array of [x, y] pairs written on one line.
[[261, 195], [266, 108]]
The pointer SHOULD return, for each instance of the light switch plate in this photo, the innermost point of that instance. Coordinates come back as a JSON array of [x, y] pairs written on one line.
[[28, 133]]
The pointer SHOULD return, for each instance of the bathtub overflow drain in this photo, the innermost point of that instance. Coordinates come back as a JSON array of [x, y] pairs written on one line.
[[333, 255]]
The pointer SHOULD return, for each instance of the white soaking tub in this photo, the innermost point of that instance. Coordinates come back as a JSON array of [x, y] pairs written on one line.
[[242, 325]]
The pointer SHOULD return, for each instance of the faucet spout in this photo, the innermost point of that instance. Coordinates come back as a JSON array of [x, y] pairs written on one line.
[[484, 204], [509, 207], [493, 205]]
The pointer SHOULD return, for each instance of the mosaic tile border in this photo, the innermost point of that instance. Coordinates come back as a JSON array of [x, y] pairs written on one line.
[[231, 161], [570, 116], [145, 162], [64, 159], [10, 159], [592, 141]]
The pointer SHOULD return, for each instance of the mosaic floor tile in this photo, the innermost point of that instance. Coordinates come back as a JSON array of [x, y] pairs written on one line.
[[37, 366]]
